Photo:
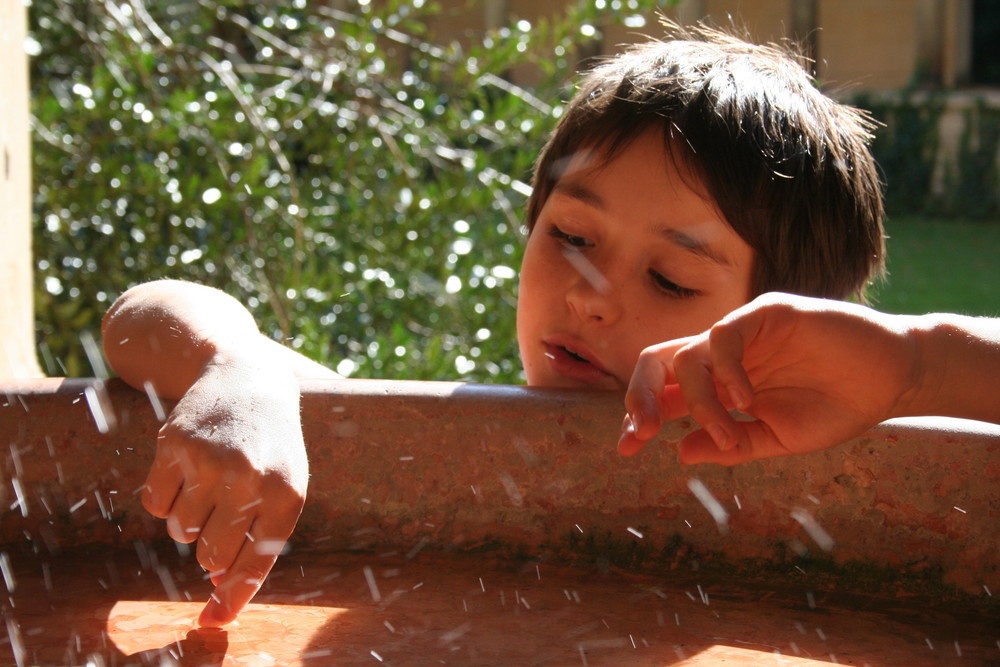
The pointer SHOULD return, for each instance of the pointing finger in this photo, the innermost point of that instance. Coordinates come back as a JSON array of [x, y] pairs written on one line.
[[237, 585]]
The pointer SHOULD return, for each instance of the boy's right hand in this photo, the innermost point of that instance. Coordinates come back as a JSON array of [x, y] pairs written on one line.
[[231, 473]]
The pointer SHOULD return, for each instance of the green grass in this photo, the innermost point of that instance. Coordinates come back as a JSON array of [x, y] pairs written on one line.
[[941, 265]]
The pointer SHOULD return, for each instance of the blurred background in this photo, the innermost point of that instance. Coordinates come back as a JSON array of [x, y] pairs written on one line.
[[356, 171]]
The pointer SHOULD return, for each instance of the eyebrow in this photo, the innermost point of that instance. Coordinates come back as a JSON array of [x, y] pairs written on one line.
[[577, 191], [680, 239], [695, 246]]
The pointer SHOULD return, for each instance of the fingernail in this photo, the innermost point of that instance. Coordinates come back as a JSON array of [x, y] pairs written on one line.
[[739, 397], [718, 435]]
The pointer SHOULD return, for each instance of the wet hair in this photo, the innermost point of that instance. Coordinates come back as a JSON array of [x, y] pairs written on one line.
[[788, 167]]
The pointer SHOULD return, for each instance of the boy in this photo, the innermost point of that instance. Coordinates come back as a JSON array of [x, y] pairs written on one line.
[[686, 178]]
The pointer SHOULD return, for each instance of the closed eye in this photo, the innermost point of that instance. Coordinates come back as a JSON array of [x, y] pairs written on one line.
[[671, 288], [569, 239]]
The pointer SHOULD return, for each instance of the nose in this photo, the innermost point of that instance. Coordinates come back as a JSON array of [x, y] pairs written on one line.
[[591, 296]]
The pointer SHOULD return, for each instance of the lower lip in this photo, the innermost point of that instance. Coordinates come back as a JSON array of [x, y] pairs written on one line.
[[581, 371]]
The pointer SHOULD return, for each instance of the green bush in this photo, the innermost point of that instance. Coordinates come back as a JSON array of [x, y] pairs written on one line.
[[976, 186], [357, 186], [907, 148]]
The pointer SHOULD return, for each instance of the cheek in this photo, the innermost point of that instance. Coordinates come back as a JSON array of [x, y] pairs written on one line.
[[526, 281], [538, 276], [529, 288], [655, 322]]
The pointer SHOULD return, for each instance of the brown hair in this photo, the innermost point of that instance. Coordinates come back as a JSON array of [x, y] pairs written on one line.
[[788, 167]]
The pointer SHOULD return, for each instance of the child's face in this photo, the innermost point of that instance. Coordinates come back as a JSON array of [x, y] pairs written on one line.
[[623, 255]]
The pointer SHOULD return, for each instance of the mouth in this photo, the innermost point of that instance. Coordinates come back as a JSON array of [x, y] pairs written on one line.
[[574, 355], [576, 362]]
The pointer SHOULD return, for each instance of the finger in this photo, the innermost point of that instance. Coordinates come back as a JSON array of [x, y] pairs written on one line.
[[222, 537], [642, 419], [649, 399], [629, 444], [727, 345], [694, 371], [631, 441], [653, 374], [642, 396], [163, 483], [240, 583], [191, 510], [756, 440], [699, 447]]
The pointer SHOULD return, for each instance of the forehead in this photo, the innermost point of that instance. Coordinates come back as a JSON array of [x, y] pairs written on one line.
[[651, 168], [647, 159], [650, 188]]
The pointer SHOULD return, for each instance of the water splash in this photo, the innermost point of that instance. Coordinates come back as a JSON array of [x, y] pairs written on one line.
[[513, 492], [822, 538], [154, 400], [372, 584], [270, 547], [100, 406], [168, 583], [8, 572], [22, 499], [94, 355], [713, 506], [16, 643], [587, 269]]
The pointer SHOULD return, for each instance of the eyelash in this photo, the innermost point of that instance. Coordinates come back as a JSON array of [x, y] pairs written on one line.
[[672, 288], [569, 239], [665, 285]]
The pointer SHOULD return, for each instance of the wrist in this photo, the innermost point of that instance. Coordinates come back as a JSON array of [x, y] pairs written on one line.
[[920, 392], [255, 358], [958, 361]]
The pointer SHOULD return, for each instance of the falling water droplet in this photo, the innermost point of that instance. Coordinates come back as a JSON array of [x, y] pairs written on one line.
[[94, 355], [100, 406], [8, 573], [372, 584], [586, 269], [22, 499], [811, 526], [510, 486], [16, 645], [168, 584], [154, 399], [713, 506]]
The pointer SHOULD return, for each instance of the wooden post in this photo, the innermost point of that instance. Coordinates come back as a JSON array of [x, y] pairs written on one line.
[[17, 326]]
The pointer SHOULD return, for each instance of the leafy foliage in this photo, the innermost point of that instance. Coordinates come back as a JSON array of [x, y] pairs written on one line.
[[924, 173], [906, 149], [356, 185]]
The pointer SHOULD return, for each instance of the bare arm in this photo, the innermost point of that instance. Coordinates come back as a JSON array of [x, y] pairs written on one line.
[[812, 373], [959, 368], [165, 332], [230, 470]]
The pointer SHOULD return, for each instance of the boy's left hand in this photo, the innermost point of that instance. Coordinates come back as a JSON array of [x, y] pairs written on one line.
[[812, 373]]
